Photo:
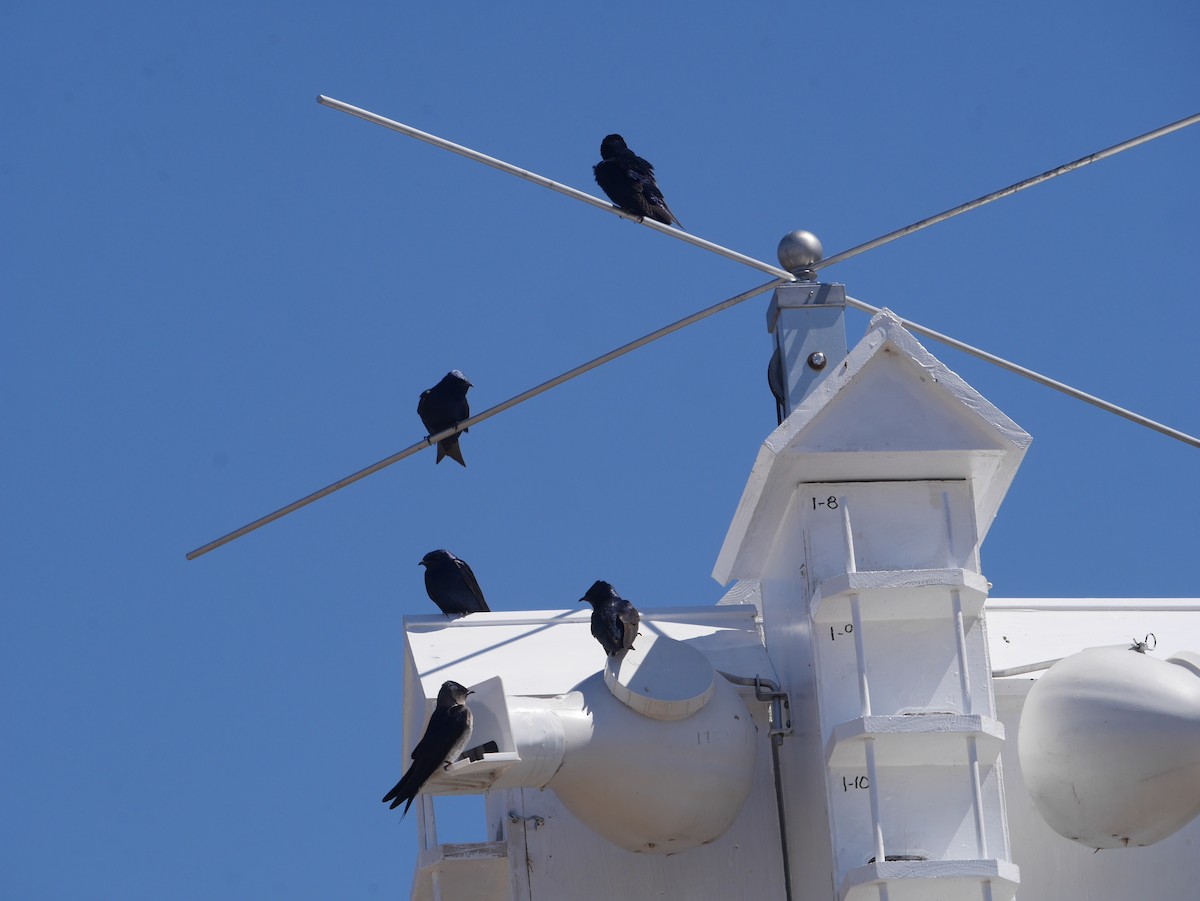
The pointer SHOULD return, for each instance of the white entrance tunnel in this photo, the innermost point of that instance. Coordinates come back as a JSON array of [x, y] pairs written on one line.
[[1110, 746], [656, 753], [663, 780]]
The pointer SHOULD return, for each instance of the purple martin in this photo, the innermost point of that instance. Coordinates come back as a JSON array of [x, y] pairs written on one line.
[[444, 406], [451, 584], [775, 379], [614, 619], [445, 737], [628, 180]]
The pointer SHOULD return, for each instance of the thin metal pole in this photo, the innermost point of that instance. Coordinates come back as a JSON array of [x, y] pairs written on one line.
[[725, 251], [960, 637], [1032, 376], [860, 653], [836, 258], [873, 795], [552, 185], [487, 414], [1026, 668], [1011, 189], [977, 796]]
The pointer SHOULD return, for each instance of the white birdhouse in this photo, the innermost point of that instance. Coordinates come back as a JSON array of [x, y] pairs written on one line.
[[646, 775], [861, 524]]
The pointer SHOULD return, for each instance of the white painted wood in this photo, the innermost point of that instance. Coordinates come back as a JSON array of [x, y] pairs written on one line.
[[933, 880], [912, 654], [426, 823], [890, 410], [1026, 630], [898, 594], [861, 522], [475, 870], [924, 740]]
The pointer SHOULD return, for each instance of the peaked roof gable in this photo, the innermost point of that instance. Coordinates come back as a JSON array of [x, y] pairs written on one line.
[[889, 411]]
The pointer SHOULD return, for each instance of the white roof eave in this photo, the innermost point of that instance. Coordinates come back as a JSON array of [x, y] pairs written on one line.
[[787, 458]]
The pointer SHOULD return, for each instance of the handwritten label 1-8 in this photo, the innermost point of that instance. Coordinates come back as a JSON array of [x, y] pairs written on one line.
[[830, 503]]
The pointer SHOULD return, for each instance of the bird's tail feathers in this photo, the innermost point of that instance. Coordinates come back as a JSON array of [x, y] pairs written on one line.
[[449, 448], [660, 212]]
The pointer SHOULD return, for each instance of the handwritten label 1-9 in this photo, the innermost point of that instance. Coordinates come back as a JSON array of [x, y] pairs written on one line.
[[847, 629]]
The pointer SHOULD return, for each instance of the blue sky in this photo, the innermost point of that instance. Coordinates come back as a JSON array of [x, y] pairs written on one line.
[[219, 296]]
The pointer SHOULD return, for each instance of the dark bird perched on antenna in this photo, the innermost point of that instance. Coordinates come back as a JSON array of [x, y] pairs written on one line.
[[451, 584], [614, 619], [444, 406], [444, 739], [628, 180]]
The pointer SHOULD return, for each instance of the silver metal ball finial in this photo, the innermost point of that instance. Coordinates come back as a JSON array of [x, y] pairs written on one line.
[[799, 251]]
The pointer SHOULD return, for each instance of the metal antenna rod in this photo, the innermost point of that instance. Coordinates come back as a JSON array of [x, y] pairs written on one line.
[[1032, 376], [487, 414], [725, 251], [782, 276], [1011, 189], [552, 185]]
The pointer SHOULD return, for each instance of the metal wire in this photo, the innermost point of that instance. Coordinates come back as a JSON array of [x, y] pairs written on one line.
[[1032, 376], [487, 414], [782, 276], [552, 185], [725, 251], [1011, 189]]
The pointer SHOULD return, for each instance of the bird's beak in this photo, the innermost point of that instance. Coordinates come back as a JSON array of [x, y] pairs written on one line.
[[581, 600], [470, 692]]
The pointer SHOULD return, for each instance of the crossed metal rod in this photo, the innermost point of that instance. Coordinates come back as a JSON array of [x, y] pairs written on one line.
[[781, 277]]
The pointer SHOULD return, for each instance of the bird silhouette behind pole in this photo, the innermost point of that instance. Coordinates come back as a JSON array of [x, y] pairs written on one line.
[[445, 737], [451, 584], [444, 406], [628, 180], [614, 620], [776, 381]]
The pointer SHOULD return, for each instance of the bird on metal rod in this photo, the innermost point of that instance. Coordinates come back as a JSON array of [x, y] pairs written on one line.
[[442, 407], [780, 276], [628, 180]]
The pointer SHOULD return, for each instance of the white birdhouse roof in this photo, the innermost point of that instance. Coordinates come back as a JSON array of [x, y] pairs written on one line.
[[889, 411]]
